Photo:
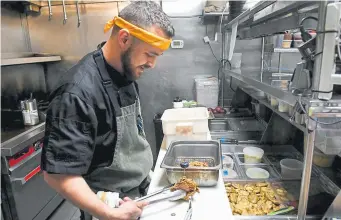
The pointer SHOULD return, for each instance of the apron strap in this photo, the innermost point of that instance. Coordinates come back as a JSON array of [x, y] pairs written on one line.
[[107, 82]]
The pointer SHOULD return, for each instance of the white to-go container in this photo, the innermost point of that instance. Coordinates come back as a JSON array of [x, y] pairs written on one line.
[[253, 155], [291, 169], [185, 121]]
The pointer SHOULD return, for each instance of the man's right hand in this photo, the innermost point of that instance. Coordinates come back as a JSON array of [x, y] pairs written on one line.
[[128, 210]]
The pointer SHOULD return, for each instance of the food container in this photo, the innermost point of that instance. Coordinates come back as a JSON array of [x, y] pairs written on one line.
[[190, 151], [322, 160], [229, 174], [297, 43], [291, 110], [299, 118], [253, 155], [257, 173], [241, 160], [227, 162], [283, 106], [291, 169], [185, 121], [286, 44], [274, 102]]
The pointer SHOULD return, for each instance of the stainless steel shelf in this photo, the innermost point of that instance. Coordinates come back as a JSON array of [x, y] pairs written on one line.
[[286, 50], [264, 102], [261, 82], [26, 58]]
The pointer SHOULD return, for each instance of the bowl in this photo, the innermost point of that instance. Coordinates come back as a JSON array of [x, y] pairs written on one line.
[[291, 168], [253, 155], [257, 173]]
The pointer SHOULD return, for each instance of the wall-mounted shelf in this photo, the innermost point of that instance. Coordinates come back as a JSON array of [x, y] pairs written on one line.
[[286, 50], [253, 78], [26, 58]]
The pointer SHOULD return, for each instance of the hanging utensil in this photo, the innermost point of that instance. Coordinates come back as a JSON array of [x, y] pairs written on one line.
[[50, 9], [64, 11], [78, 16]]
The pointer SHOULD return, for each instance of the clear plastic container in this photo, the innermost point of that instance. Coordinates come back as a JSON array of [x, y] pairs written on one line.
[[253, 155], [229, 174], [328, 141], [185, 121], [227, 162], [322, 160], [291, 169], [274, 102], [283, 106], [257, 173]]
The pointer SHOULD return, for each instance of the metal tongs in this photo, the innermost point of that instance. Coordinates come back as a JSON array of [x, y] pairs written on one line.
[[176, 195], [188, 215]]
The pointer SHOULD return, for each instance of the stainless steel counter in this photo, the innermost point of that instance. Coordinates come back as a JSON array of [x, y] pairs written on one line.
[[17, 140]]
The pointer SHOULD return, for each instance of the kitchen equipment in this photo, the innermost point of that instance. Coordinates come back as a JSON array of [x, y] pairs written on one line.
[[328, 141], [78, 16], [50, 9], [257, 173], [291, 169], [185, 121], [188, 215], [154, 193], [256, 107], [25, 190], [322, 160], [163, 195], [253, 154], [30, 111], [64, 12], [193, 151], [283, 211]]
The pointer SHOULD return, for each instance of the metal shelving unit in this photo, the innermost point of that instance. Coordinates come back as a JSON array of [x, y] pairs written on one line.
[[317, 104]]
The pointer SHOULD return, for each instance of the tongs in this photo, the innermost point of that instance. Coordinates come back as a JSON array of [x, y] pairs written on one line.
[[176, 195]]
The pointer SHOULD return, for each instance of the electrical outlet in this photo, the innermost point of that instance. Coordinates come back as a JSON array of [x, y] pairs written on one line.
[[206, 40]]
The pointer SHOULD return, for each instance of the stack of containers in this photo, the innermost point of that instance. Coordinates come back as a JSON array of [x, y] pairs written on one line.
[[185, 124], [207, 91]]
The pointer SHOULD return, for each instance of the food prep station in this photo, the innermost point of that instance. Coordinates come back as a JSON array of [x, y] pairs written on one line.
[[263, 114]]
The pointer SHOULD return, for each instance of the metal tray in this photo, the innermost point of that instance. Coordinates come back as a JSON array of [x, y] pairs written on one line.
[[187, 151]]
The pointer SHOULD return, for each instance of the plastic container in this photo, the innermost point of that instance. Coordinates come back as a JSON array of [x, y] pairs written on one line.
[[286, 44], [291, 169], [283, 106], [185, 121], [227, 162], [229, 174], [253, 155], [274, 102], [207, 91], [328, 141], [257, 173], [322, 160], [297, 43], [236, 60]]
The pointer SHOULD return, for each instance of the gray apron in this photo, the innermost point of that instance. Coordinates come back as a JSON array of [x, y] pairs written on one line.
[[133, 159]]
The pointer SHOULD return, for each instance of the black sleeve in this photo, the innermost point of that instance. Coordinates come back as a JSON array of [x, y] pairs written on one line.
[[137, 88], [70, 133]]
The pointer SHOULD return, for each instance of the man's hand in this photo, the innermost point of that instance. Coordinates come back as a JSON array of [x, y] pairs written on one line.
[[128, 209]]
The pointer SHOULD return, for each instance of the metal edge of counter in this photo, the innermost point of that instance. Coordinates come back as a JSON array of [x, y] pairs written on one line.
[[19, 142]]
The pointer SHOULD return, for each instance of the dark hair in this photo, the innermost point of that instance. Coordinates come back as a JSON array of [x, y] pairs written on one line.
[[144, 14]]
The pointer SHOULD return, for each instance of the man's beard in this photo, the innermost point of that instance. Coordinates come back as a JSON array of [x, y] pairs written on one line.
[[126, 65]]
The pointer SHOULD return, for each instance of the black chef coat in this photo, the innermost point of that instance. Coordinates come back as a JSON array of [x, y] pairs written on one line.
[[80, 132]]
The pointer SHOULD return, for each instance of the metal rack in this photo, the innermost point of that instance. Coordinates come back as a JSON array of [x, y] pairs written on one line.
[[250, 25]]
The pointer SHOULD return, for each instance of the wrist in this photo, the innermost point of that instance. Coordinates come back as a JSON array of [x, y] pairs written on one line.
[[115, 214]]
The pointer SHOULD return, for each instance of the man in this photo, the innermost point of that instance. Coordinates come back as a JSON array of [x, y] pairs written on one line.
[[95, 139]]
